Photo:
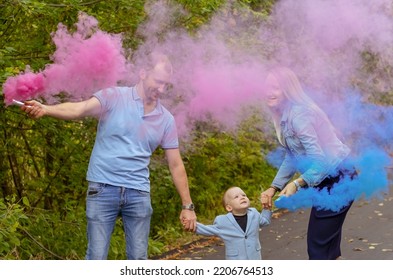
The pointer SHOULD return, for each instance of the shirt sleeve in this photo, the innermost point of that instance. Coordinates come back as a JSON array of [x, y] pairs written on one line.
[[207, 230], [170, 139], [285, 172], [265, 218], [105, 96]]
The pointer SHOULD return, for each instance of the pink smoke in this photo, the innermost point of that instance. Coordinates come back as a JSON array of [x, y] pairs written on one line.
[[24, 86], [84, 62], [221, 69]]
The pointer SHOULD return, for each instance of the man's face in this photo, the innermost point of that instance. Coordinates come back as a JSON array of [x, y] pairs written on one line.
[[156, 82]]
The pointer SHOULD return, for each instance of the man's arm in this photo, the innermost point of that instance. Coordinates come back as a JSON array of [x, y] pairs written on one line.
[[179, 177], [64, 111]]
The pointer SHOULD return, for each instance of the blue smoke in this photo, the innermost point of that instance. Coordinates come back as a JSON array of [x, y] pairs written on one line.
[[369, 132], [371, 181]]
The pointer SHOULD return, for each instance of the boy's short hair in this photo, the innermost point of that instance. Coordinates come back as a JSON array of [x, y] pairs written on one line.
[[224, 197]]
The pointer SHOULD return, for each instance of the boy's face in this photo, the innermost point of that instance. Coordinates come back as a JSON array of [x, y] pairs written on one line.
[[237, 201]]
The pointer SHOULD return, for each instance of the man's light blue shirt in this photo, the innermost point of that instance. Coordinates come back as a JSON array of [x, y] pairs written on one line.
[[126, 139]]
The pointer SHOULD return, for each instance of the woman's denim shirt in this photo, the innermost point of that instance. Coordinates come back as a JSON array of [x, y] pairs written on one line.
[[311, 144]]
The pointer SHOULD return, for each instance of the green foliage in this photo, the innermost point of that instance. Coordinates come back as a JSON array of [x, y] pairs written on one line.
[[11, 219], [375, 78], [197, 13], [51, 235], [43, 166]]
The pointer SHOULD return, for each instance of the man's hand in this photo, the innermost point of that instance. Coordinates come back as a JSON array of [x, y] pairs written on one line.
[[188, 220], [34, 109]]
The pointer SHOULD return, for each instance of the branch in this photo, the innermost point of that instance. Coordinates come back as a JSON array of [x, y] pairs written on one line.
[[31, 154], [52, 179], [9, 23], [81, 4], [42, 246]]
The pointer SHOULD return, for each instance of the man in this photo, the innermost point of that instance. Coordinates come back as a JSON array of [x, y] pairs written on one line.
[[132, 124]]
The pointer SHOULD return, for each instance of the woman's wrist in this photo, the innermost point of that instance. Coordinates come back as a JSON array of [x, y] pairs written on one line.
[[299, 183]]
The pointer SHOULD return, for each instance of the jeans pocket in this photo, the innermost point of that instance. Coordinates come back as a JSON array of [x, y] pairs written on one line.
[[94, 189], [143, 193]]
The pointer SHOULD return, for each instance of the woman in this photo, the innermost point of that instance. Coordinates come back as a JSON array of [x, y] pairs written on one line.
[[312, 149]]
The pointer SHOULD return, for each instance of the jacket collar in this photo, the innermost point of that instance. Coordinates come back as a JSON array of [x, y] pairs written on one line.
[[235, 223]]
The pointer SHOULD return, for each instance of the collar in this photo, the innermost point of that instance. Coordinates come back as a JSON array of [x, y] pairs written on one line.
[[158, 110], [135, 94], [285, 113]]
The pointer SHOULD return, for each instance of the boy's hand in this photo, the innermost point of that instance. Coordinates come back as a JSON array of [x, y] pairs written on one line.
[[267, 198]]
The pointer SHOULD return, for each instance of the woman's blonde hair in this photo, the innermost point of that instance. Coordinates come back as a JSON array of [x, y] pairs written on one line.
[[293, 90]]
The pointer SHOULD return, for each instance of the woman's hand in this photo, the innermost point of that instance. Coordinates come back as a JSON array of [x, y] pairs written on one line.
[[289, 189]]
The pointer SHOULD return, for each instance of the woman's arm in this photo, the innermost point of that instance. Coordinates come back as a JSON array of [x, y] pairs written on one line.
[[284, 174], [318, 165]]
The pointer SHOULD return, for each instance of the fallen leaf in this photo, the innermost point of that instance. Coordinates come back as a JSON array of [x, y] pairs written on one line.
[[358, 249]]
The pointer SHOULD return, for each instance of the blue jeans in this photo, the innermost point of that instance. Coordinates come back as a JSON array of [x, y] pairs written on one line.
[[104, 204]]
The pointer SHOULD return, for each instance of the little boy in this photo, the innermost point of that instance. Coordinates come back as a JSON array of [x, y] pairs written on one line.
[[239, 228]]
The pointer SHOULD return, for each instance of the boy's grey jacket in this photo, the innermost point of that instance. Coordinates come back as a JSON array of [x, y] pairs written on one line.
[[239, 245]]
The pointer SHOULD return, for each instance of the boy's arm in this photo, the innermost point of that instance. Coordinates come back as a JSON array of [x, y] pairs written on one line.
[[265, 218], [207, 230]]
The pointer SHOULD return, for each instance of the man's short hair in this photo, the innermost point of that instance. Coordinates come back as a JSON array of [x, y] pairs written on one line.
[[154, 58]]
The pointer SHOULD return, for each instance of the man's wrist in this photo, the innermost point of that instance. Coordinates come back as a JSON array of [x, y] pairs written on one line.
[[189, 206]]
